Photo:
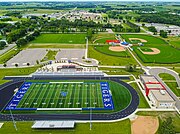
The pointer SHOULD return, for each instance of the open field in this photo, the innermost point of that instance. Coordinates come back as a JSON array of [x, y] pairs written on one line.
[[105, 50], [166, 76], [174, 41], [174, 87], [109, 60], [120, 127], [61, 38], [142, 101], [167, 53], [164, 115], [16, 71]]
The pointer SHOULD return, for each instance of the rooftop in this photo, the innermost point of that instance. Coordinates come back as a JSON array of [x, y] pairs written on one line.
[[149, 79], [53, 124], [161, 96]]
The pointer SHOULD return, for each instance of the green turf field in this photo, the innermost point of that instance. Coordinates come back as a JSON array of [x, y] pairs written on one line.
[[61, 38], [105, 50], [62, 95], [167, 55], [105, 59], [146, 49]]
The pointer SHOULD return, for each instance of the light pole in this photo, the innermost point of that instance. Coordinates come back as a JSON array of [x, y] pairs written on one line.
[[14, 123]]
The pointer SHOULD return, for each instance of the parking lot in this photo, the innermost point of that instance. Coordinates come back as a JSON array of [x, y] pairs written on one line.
[[27, 56]]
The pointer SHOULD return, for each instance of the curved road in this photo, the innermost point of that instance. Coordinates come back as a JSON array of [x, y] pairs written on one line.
[[101, 116], [156, 71]]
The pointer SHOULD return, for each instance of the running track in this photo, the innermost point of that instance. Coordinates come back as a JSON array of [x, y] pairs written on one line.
[[6, 92]]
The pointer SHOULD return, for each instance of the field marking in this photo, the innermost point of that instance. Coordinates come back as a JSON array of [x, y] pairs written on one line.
[[66, 82]]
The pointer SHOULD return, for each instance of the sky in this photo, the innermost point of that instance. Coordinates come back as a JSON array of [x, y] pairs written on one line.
[[90, 0]]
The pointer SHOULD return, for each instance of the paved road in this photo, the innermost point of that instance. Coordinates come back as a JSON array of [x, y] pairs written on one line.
[[156, 71], [100, 116], [10, 46]]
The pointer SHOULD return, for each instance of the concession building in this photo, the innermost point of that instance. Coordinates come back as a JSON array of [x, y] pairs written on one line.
[[156, 92]]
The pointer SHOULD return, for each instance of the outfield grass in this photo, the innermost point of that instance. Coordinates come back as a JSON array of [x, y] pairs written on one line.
[[121, 127], [142, 101], [8, 55], [146, 49], [102, 37], [167, 55], [50, 55], [109, 60], [105, 50], [61, 38], [164, 115]]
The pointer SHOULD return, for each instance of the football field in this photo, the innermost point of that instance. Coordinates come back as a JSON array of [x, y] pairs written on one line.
[[67, 95]]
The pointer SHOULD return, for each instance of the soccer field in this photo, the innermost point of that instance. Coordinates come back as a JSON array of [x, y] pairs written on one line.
[[57, 95]]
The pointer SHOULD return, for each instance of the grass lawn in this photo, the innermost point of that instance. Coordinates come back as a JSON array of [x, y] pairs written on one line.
[[109, 60], [168, 54], [174, 41], [54, 45], [120, 71], [105, 50], [122, 127], [50, 55], [15, 71], [164, 115], [8, 55], [166, 76], [143, 103], [174, 87], [61, 38]]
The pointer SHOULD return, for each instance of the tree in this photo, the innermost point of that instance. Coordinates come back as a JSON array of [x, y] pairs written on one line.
[[163, 34], [28, 64], [16, 65], [167, 127], [89, 33], [152, 29], [21, 42], [2, 44], [4, 65]]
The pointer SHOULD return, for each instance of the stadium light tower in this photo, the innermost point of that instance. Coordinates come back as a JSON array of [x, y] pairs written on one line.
[[14, 123]]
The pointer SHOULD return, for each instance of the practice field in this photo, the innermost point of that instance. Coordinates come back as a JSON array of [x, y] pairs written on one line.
[[61, 38], [166, 55], [55, 95]]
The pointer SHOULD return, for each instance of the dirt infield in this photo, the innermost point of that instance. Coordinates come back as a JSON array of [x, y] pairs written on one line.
[[142, 40], [155, 51], [117, 48], [145, 125]]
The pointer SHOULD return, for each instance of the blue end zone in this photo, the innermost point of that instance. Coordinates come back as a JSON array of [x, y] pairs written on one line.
[[107, 96], [17, 98]]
